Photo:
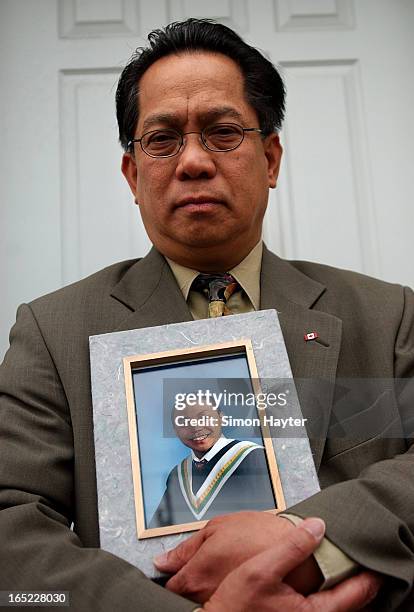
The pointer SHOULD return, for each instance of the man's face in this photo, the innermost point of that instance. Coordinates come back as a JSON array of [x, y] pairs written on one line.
[[200, 436], [201, 208]]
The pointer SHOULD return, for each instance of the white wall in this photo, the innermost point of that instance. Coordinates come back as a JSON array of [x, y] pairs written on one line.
[[345, 195]]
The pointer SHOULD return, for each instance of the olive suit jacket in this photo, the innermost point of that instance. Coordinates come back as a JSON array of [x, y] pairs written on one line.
[[47, 469]]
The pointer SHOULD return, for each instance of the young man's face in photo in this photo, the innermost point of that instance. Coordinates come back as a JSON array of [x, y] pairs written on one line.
[[204, 430]]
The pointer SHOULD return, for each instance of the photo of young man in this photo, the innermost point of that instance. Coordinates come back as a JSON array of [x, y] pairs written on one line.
[[219, 476]]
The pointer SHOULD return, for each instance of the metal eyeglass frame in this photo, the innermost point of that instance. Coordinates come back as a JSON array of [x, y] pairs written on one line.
[[202, 138]]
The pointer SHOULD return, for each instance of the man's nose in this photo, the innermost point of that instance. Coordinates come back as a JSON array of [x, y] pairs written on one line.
[[194, 160]]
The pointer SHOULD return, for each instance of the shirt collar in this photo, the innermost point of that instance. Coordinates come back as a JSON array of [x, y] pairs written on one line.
[[221, 443], [247, 274], [184, 276]]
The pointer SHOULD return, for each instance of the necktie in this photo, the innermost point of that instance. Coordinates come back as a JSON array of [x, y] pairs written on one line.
[[200, 472], [199, 465], [217, 288]]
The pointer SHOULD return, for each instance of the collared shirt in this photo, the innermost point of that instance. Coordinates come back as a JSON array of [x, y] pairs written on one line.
[[221, 443], [246, 273]]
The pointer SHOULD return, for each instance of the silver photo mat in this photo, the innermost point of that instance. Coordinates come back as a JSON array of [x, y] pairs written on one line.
[[115, 481]]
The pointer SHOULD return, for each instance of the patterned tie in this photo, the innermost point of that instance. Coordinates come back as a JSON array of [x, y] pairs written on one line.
[[217, 288]]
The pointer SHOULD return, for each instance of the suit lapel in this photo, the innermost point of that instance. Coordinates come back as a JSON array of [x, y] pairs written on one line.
[[313, 363], [152, 296], [150, 292]]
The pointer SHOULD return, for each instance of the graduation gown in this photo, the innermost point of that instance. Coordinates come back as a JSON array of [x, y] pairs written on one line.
[[235, 479]]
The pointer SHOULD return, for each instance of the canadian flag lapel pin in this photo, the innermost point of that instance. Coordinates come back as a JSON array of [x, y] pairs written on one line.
[[310, 336]]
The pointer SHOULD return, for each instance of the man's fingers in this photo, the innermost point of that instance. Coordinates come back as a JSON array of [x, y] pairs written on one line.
[[173, 560], [271, 566], [298, 545], [352, 594]]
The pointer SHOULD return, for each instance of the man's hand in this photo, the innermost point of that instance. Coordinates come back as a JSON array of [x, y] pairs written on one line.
[[258, 583], [202, 562]]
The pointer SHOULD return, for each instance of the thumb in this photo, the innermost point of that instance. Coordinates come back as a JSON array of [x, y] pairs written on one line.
[[257, 584], [272, 565], [173, 560], [295, 548]]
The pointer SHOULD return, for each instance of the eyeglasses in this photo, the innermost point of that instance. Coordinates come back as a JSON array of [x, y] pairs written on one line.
[[220, 137]]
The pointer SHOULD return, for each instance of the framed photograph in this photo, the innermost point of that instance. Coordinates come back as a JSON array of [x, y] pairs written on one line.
[[201, 468], [184, 430]]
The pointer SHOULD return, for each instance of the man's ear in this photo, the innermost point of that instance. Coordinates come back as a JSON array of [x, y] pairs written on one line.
[[129, 170], [273, 152]]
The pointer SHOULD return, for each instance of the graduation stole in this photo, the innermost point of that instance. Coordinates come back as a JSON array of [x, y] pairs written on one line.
[[200, 502]]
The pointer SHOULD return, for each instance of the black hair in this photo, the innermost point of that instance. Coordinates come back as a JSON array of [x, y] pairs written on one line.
[[263, 84]]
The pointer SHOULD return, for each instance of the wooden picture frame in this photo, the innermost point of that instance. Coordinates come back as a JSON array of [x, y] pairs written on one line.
[[136, 364]]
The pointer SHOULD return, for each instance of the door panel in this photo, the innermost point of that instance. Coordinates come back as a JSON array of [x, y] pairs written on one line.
[[345, 192]]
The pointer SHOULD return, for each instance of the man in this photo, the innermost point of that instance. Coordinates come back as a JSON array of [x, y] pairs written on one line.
[[202, 192], [220, 475]]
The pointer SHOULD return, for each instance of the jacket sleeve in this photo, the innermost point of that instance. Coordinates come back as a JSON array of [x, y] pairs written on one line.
[[371, 517], [38, 548]]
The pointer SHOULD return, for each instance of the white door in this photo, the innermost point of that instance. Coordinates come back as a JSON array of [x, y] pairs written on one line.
[[345, 194]]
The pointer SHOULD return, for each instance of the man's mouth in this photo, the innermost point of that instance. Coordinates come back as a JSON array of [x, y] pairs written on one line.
[[198, 203], [199, 437]]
